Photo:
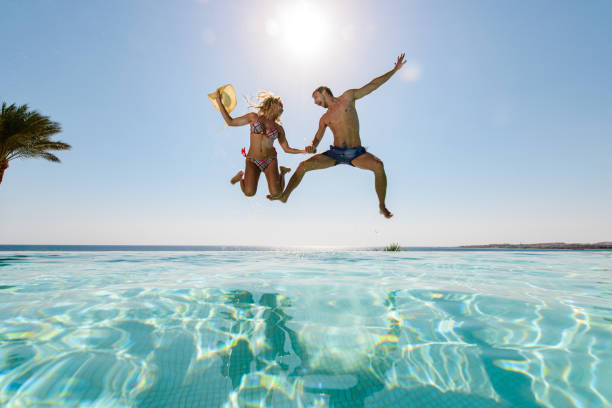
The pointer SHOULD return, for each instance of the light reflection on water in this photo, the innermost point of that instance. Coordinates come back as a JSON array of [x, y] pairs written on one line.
[[297, 329]]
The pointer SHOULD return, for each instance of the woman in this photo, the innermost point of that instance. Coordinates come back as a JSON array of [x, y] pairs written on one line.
[[261, 157]]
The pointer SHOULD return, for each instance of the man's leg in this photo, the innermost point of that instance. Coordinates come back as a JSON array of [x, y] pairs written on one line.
[[283, 170], [368, 161], [316, 162]]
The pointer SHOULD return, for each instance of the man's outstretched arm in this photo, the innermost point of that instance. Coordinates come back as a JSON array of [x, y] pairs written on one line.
[[376, 82]]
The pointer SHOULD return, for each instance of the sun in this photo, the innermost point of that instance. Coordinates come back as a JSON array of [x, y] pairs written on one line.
[[302, 27]]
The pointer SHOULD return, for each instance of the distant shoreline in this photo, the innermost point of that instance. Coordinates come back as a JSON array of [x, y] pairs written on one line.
[[548, 245]]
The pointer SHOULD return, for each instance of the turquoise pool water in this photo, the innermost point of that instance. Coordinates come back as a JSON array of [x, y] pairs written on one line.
[[306, 329]]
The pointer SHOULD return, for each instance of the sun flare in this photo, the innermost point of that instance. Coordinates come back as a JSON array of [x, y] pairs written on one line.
[[302, 27]]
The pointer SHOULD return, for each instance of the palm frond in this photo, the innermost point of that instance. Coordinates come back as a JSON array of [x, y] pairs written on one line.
[[25, 133], [13, 142], [50, 157]]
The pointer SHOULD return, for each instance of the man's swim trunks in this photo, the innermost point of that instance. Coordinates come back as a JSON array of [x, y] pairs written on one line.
[[344, 156]]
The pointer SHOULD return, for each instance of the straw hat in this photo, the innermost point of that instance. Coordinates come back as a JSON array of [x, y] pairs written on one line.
[[228, 98]]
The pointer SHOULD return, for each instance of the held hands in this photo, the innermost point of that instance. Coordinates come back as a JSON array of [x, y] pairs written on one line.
[[400, 62], [310, 149]]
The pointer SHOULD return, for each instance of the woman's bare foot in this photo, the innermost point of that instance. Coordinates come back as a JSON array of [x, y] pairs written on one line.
[[284, 170], [237, 177], [385, 212]]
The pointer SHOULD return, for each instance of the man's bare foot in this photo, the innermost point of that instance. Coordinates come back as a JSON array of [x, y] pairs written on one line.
[[284, 170], [385, 212], [280, 196], [237, 177]]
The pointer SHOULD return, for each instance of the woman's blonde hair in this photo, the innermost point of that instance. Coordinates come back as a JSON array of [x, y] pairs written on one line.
[[268, 105]]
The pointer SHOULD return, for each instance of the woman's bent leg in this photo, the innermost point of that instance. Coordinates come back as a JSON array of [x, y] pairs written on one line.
[[273, 177], [248, 183]]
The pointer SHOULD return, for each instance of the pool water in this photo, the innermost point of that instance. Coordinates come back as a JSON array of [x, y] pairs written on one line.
[[306, 329]]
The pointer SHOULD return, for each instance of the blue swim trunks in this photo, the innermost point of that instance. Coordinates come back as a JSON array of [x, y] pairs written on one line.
[[344, 156]]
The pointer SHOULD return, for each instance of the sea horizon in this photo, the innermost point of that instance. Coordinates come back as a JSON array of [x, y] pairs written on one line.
[[232, 248]]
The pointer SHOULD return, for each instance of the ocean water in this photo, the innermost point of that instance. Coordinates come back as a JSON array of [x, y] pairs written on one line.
[[305, 328]]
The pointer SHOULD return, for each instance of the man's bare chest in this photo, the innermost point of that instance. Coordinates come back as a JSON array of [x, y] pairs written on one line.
[[340, 114]]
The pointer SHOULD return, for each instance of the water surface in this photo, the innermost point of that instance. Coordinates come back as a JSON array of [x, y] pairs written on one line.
[[298, 329]]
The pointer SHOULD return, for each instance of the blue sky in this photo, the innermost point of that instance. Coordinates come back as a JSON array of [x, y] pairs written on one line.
[[499, 128]]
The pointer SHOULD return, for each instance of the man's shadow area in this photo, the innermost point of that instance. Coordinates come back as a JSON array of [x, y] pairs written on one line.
[[280, 374]]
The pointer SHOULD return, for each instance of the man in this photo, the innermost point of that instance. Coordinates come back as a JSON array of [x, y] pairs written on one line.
[[341, 118]]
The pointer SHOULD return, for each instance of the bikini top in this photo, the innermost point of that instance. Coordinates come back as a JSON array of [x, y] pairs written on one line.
[[258, 128]]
